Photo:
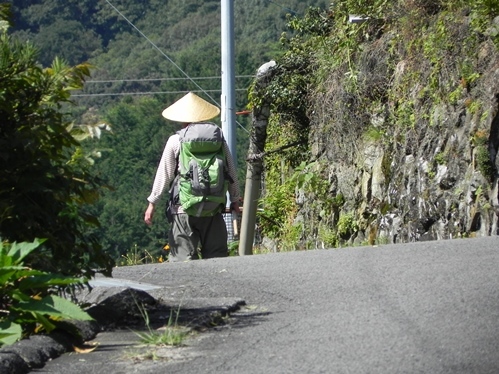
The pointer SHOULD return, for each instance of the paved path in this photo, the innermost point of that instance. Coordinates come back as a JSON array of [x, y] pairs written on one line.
[[429, 307]]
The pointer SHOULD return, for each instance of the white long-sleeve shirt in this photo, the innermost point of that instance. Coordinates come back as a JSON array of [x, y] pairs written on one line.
[[166, 171]]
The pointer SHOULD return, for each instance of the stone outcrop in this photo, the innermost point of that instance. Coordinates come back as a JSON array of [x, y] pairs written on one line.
[[434, 177]]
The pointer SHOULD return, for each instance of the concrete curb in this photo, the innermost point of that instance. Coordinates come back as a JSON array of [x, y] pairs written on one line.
[[113, 308]]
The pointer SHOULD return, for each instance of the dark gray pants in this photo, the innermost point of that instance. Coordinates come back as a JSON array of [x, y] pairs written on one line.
[[187, 233]]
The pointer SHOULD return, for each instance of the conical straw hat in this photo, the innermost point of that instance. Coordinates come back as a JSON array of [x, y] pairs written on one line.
[[190, 108]]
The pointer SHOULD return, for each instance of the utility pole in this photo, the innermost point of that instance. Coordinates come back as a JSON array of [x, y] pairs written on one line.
[[228, 112], [228, 99]]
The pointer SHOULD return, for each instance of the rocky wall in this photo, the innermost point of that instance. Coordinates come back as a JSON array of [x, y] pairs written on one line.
[[436, 179]]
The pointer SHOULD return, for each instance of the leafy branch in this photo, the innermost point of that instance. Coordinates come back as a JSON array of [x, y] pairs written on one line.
[[27, 302]]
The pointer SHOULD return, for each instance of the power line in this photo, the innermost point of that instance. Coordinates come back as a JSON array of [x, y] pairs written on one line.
[[161, 79], [147, 93], [283, 7], [160, 51], [168, 58]]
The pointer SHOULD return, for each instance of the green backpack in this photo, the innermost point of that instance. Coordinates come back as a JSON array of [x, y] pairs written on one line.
[[203, 177]]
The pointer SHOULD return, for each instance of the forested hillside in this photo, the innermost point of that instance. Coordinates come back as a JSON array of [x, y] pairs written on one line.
[[392, 119], [154, 45], [145, 55]]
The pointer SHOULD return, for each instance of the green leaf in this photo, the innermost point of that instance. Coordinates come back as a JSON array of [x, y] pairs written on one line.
[[9, 333], [5, 260], [44, 280], [54, 306], [44, 321], [7, 273], [18, 251], [18, 295]]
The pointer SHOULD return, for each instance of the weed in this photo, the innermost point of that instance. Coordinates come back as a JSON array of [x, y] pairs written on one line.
[[440, 158], [485, 165], [347, 225], [291, 237], [261, 250], [383, 240], [233, 248], [374, 134], [473, 106], [136, 257], [171, 334], [328, 236]]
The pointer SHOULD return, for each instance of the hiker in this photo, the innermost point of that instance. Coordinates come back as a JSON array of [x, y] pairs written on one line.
[[195, 213]]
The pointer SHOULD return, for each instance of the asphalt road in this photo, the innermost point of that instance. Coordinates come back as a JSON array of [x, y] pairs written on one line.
[[429, 307]]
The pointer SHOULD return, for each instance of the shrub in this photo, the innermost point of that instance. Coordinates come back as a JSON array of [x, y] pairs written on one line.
[[27, 302], [45, 185]]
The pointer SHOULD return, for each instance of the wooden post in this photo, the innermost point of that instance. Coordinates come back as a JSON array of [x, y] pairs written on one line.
[[254, 169]]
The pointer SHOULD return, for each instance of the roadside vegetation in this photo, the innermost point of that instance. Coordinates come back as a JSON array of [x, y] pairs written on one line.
[[125, 67], [381, 79], [45, 186], [77, 157], [171, 334]]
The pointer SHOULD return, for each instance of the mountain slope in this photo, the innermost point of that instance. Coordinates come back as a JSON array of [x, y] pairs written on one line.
[[136, 74]]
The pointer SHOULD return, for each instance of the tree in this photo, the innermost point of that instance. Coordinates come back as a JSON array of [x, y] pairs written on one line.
[[46, 183], [66, 39], [139, 136], [188, 33]]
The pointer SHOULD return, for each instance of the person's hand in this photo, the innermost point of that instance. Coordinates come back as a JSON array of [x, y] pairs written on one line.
[[234, 207], [149, 214]]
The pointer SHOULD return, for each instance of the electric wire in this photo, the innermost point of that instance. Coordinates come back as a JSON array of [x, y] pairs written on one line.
[[283, 7], [97, 81], [161, 79], [146, 93], [160, 51], [169, 59]]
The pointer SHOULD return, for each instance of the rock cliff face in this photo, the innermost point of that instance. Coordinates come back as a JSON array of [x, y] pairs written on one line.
[[412, 151]]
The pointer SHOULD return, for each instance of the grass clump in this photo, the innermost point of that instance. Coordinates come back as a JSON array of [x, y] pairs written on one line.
[[170, 335]]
